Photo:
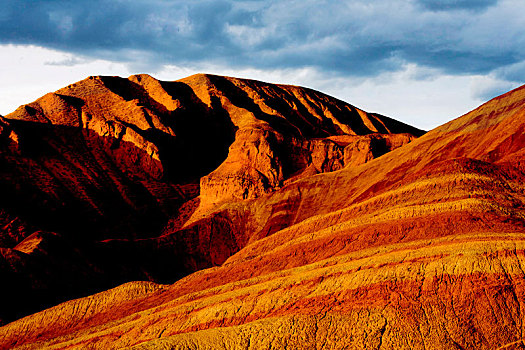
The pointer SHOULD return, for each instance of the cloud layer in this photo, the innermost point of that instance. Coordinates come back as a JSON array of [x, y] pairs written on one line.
[[422, 61], [355, 38]]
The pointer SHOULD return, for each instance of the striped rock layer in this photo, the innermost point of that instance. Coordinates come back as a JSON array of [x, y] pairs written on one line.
[[420, 248]]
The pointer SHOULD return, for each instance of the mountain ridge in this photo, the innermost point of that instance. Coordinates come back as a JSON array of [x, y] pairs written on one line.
[[112, 164]]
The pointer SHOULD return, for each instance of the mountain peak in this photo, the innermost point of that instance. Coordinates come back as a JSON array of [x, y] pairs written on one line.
[[110, 162], [206, 111]]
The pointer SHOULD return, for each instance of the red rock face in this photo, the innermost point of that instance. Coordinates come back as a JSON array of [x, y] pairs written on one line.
[[110, 180]]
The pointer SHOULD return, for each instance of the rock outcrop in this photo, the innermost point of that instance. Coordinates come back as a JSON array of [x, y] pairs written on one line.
[[284, 130]]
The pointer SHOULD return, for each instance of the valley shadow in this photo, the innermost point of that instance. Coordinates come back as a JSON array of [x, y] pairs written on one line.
[[203, 135], [71, 180]]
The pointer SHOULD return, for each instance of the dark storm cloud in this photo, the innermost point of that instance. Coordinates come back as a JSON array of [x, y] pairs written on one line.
[[359, 38]]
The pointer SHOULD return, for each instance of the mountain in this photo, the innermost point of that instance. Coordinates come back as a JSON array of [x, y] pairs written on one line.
[[111, 180], [422, 247]]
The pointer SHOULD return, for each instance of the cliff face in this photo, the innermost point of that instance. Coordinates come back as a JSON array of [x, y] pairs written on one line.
[[110, 180]]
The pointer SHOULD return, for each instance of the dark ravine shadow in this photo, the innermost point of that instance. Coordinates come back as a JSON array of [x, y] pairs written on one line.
[[203, 135], [378, 146], [177, 253], [59, 270], [68, 179], [73, 182]]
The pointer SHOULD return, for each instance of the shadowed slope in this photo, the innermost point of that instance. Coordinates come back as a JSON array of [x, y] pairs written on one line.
[[421, 248]]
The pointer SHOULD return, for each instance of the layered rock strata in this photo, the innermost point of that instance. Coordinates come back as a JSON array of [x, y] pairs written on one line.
[[422, 248]]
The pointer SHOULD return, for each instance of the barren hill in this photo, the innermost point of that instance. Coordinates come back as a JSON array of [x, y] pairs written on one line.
[[420, 248], [111, 180]]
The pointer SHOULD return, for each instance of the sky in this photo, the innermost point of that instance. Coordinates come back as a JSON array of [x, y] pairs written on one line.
[[423, 62]]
